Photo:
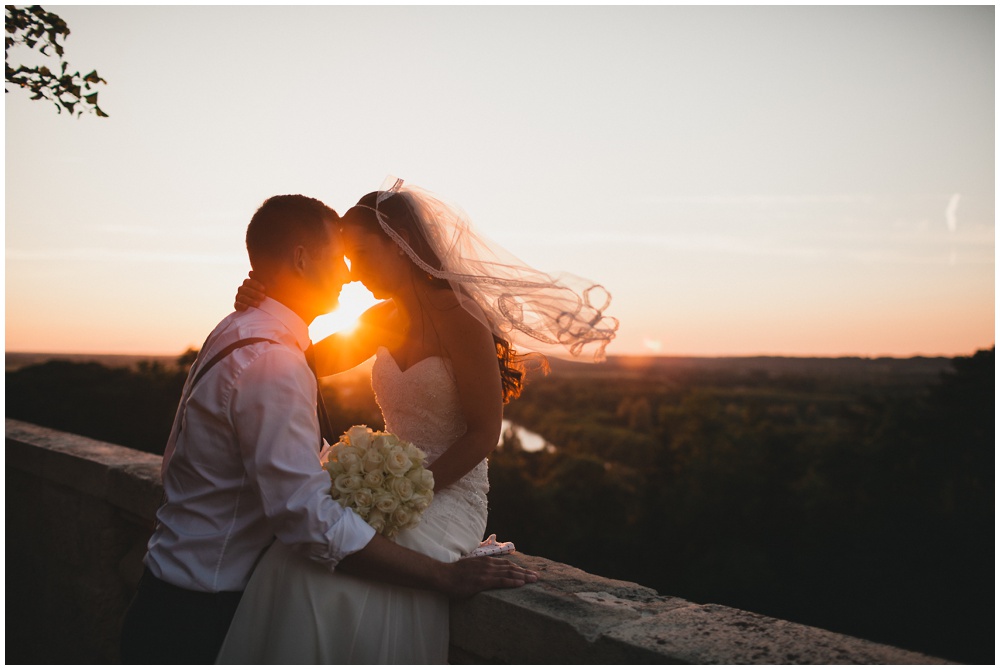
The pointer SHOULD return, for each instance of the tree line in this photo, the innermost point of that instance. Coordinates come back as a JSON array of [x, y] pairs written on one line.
[[861, 503]]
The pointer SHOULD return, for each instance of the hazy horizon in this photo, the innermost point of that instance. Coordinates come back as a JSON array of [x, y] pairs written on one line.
[[610, 356]]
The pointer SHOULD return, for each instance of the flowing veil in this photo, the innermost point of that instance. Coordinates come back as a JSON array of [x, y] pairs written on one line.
[[558, 315]]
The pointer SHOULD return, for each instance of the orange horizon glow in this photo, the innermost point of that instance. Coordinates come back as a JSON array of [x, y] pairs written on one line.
[[952, 337]]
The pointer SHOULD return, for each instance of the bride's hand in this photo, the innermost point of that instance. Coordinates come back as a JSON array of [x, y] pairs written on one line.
[[249, 294]]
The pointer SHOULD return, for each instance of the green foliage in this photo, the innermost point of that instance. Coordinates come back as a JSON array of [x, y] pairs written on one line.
[[131, 407], [856, 497], [36, 29]]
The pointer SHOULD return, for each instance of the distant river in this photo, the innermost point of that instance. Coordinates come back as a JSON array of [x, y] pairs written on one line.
[[529, 441]]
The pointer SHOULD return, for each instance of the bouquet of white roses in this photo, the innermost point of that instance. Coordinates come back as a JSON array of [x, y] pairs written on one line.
[[380, 477]]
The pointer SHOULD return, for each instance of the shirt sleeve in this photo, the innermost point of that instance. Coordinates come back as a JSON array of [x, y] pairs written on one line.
[[273, 409]]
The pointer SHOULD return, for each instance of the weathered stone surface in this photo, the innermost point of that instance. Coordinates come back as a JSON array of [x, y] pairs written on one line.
[[127, 478], [556, 620], [79, 513], [711, 634], [573, 617]]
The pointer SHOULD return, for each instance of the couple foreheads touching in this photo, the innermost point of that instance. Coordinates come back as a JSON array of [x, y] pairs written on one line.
[[270, 545]]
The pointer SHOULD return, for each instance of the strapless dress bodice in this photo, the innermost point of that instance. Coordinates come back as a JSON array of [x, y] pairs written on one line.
[[421, 405]]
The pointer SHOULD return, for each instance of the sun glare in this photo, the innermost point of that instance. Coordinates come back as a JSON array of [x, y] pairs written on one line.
[[354, 300]]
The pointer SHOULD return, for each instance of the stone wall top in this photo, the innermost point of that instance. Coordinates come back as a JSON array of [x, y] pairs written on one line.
[[573, 617], [126, 478], [569, 616]]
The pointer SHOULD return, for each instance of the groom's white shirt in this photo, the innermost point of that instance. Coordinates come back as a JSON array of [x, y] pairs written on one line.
[[241, 465]]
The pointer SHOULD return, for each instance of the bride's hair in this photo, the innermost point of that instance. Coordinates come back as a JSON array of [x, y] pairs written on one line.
[[396, 212]]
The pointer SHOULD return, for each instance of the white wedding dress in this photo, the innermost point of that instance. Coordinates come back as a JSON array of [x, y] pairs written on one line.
[[296, 611]]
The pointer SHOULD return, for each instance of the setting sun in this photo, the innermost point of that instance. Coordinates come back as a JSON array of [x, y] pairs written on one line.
[[354, 300]]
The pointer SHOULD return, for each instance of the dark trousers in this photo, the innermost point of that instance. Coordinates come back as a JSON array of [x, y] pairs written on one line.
[[168, 625]]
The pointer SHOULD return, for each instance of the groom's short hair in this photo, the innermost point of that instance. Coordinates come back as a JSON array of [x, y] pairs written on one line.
[[284, 222]]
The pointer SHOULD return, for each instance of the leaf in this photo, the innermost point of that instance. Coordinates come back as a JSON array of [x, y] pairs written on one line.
[[91, 99]]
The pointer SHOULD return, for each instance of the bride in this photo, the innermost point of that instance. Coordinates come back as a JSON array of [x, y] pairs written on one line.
[[455, 306]]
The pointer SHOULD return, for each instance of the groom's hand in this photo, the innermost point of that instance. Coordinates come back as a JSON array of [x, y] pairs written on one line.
[[469, 576], [385, 561]]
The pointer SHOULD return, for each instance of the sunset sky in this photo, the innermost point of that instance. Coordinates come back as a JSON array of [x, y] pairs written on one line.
[[744, 181]]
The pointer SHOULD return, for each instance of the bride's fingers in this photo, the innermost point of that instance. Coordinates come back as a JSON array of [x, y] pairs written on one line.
[[251, 284], [249, 294]]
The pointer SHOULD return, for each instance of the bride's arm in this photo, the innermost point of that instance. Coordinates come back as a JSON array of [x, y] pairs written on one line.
[[474, 361], [345, 350]]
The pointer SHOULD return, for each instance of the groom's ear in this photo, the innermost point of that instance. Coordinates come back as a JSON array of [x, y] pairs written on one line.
[[299, 259]]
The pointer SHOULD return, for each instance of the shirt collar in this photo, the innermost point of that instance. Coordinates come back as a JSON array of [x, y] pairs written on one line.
[[292, 321]]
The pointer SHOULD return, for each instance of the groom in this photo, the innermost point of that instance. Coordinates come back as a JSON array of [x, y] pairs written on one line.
[[241, 467]]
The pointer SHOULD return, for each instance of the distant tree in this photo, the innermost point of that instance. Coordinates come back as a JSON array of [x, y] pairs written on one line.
[[133, 408], [640, 415], [187, 359], [37, 29]]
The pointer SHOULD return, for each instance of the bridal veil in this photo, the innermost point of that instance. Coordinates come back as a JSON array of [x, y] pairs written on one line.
[[555, 315]]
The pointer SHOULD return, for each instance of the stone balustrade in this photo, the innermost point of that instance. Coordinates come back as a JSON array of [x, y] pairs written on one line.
[[79, 512]]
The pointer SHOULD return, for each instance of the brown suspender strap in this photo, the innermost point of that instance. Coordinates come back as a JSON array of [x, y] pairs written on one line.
[[225, 352], [326, 427]]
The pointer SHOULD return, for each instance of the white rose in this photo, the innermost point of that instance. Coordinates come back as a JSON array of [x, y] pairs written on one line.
[[423, 480], [347, 483], [385, 502], [401, 487], [404, 518], [397, 462], [421, 501], [350, 460], [359, 436], [383, 442], [331, 454], [372, 461], [374, 479], [335, 468], [376, 520], [362, 500], [414, 453]]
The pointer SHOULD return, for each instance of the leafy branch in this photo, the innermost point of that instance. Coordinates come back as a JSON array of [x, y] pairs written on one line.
[[37, 29]]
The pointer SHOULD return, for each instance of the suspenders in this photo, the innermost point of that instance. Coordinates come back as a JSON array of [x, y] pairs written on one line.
[[208, 366], [225, 352], [326, 430]]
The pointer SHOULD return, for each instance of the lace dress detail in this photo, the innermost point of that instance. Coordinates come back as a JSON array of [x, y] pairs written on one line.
[[420, 405]]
